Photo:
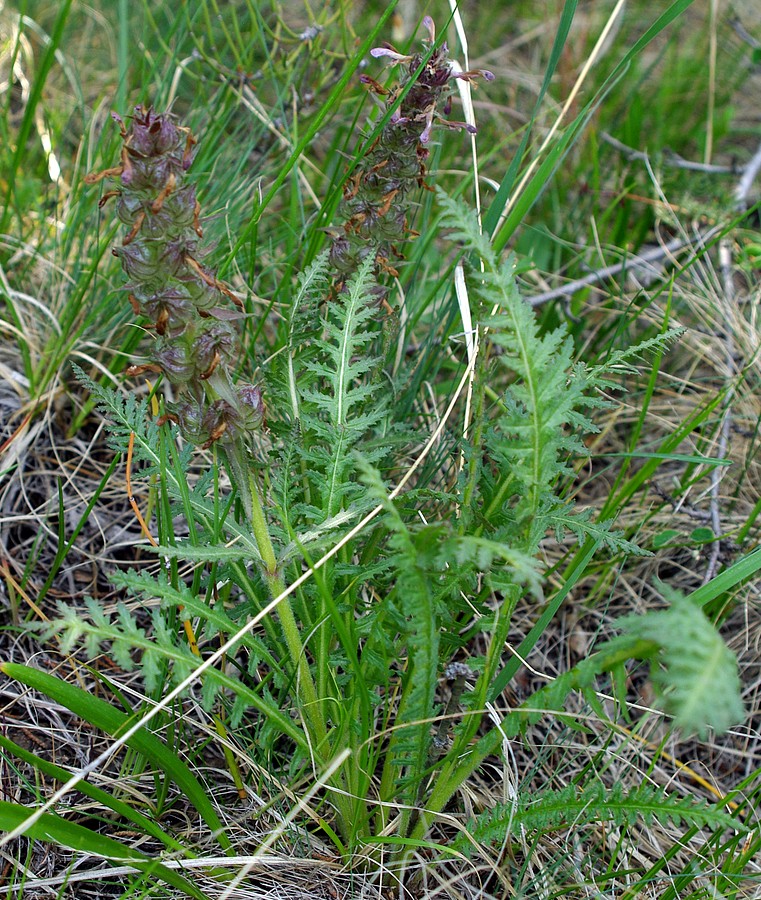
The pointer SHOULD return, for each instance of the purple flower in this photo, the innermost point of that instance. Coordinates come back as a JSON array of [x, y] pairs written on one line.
[[190, 307], [376, 196], [389, 52]]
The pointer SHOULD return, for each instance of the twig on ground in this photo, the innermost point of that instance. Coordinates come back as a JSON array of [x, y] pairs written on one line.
[[725, 264], [653, 255], [742, 32], [673, 159], [749, 173], [742, 192]]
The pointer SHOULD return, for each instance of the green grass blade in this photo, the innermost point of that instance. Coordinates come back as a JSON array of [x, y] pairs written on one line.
[[729, 578], [694, 458], [618, 500], [95, 793], [506, 186], [54, 829], [539, 181], [27, 123], [105, 717]]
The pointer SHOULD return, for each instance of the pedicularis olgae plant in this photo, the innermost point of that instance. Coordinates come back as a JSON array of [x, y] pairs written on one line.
[[391, 652]]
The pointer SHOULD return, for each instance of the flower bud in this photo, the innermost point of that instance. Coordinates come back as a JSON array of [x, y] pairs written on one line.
[[177, 360], [214, 342], [155, 135], [140, 261], [250, 406]]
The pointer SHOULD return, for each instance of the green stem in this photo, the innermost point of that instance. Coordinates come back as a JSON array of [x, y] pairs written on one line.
[[248, 491], [461, 766], [312, 705]]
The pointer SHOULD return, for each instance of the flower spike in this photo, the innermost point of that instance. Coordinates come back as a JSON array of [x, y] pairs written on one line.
[[189, 306], [377, 195]]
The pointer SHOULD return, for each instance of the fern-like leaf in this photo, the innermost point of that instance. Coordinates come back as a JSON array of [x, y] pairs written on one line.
[[545, 408], [344, 360], [302, 326], [127, 415], [575, 806], [341, 404], [583, 526], [692, 668], [161, 652]]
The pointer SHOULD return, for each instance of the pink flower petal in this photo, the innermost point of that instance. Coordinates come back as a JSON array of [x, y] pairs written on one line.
[[391, 54]]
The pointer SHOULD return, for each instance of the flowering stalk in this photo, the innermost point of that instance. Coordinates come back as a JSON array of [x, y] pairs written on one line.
[[375, 202], [192, 312], [168, 284]]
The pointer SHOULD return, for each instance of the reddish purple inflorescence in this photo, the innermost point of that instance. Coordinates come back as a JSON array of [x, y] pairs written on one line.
[[375, 202], [188, 306]]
